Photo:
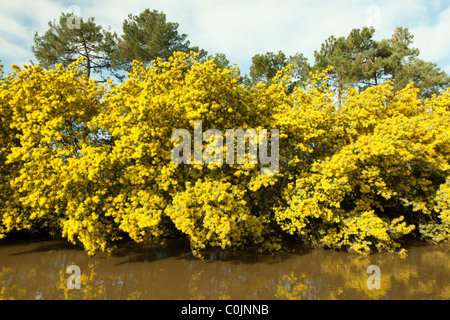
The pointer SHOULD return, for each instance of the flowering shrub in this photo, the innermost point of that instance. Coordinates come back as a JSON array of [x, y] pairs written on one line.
[[438, 228], [92, 163], [214, 213]]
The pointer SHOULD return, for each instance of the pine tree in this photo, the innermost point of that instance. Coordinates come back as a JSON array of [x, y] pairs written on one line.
[[65, 41], [359, 61], [149, 36], [265, 67]]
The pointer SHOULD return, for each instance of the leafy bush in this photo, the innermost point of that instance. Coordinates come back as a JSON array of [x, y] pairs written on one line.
[[93, 163]]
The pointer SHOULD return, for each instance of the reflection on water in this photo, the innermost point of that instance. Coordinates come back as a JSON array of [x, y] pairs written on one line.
[[38, 271]]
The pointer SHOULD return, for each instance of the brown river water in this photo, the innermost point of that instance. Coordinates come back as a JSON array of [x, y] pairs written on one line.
[[38, 270]]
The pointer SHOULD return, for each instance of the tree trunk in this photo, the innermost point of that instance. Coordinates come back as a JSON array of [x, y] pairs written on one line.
[[340, 89], [88, 60]]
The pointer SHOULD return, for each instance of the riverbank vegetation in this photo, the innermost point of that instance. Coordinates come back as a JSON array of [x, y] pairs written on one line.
[[360, 167]]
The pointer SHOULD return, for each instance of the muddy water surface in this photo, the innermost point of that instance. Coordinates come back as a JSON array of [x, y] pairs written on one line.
[[37, 270]]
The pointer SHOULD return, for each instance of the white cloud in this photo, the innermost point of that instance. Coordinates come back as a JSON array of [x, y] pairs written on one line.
[[19, 20], [433, 41], [8, 49], [11, 27]]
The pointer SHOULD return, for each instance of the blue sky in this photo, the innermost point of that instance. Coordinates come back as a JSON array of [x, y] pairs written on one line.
[[242, 28]]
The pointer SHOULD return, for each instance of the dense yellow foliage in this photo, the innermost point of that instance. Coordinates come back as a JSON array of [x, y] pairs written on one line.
[[214, 213], [92, 163]]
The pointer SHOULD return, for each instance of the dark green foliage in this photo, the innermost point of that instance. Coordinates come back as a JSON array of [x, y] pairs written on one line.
[[64, 42]]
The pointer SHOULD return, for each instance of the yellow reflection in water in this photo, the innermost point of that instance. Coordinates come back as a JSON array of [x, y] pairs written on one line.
[[40, 273]]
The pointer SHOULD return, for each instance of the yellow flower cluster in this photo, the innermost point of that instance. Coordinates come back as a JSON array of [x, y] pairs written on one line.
[[438, 229], [214, 213], [93, 163], [380, 161]]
